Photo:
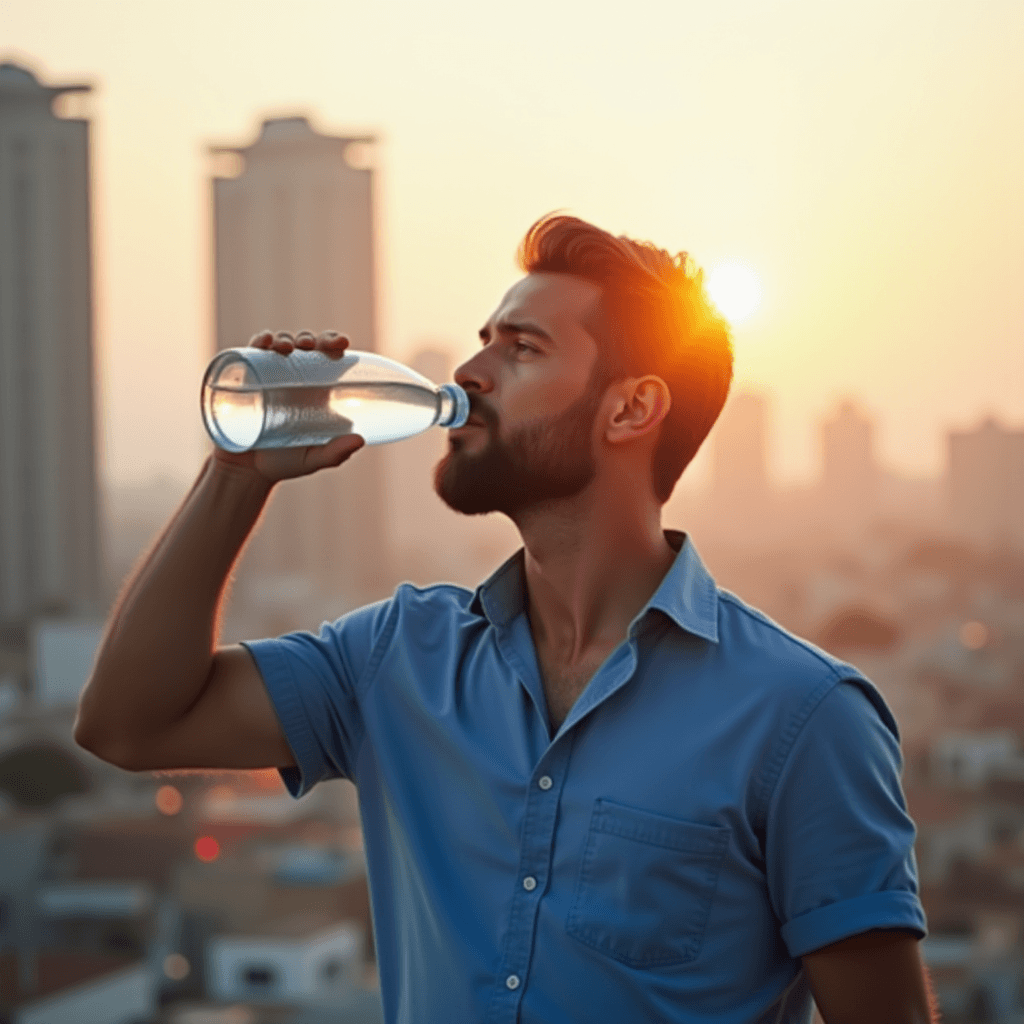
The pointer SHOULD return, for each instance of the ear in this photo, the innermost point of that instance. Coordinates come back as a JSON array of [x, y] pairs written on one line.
[[640, 406]]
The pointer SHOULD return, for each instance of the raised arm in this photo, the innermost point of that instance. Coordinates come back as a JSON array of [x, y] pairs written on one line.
[[162, 695]]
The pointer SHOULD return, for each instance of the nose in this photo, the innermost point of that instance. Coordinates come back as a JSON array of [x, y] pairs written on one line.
[[473, 374]]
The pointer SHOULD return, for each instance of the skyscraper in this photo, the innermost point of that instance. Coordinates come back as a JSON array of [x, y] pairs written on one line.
[[742, 504], [739, 453], [850, 475], [985, 483], [49, 549], [294, 237]]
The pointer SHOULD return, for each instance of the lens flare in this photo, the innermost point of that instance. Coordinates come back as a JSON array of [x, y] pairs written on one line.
[[169, 800], [176, 967], [207, 848], [735, 289]]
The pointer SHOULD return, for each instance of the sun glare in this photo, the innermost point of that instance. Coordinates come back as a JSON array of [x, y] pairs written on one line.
[[735, 289]]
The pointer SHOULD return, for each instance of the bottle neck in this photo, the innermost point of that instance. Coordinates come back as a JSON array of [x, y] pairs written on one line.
[[453, 406]]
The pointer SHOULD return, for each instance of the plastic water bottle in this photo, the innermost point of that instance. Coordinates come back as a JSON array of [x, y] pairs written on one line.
[[257, 398]]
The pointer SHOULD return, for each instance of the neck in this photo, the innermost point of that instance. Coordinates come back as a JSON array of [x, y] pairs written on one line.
[[591, 565]]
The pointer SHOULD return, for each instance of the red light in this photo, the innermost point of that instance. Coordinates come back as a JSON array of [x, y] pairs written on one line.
[[207, 848]]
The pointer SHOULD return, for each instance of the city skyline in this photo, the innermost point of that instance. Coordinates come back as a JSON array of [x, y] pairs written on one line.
[[153, 892], [864, 162]]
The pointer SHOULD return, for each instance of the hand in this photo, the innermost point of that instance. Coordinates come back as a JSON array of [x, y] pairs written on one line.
[[274, 464], [331, 343]]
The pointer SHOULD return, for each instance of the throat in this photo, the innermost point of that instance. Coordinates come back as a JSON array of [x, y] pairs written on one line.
[[563, 685]]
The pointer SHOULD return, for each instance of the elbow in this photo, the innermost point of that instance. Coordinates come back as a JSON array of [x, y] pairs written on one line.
[[88, 742], [116, 756], [99, 746], [82, 734]]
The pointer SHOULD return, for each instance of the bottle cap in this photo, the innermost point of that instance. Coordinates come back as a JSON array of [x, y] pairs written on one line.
[[459, 406]]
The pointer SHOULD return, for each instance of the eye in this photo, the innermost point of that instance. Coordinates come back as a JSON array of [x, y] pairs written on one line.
[[522, 346]]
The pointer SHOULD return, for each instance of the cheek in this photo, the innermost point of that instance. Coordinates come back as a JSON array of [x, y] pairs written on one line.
[[537, 397]]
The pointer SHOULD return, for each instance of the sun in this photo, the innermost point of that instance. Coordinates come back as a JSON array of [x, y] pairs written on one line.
[[735, 289]]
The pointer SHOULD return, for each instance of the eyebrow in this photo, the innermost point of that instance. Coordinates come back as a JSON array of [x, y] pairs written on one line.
[[516, 327]]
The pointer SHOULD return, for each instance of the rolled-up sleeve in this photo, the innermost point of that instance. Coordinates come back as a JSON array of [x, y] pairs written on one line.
[[839, 841], [313, 684]]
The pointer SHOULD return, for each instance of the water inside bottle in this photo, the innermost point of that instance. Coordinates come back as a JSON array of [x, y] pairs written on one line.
[[295, 415]]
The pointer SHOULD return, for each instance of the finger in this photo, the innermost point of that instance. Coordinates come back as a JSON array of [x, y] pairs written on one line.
[[283, 342], [335, 452], [305, 340], [262, 339], [330, 338], [332, 343]]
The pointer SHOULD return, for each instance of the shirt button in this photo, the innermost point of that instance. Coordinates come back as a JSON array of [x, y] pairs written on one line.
[[545, 782], [529, 883], [512, 981]]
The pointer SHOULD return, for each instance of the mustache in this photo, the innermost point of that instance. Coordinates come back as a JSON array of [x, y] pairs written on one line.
[[479, 409]]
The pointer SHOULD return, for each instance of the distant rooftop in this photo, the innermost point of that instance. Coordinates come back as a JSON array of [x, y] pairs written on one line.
[[19, 83], [292, 130], [303, 925], [57, 971]]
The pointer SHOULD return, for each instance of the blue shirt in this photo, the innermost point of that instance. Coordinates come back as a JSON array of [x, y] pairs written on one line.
[[722, 799]]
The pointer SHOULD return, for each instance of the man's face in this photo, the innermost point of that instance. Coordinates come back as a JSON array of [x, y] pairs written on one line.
[[529, 436]]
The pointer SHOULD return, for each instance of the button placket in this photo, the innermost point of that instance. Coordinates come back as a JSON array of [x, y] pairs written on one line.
[[538, 839]]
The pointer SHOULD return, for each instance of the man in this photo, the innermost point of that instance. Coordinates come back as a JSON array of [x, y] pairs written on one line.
[[598, 788]]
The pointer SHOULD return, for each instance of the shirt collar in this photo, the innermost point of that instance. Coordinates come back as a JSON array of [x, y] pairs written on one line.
[[687, 595]]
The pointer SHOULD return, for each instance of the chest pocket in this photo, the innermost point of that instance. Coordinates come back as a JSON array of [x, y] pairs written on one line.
[[646, 885]]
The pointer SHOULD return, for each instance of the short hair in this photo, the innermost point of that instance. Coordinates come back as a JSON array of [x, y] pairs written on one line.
[[655, 317]]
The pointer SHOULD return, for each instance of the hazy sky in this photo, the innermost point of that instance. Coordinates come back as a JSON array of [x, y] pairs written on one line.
[[867, 159]]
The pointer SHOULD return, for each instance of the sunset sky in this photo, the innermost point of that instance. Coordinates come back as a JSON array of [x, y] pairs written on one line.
[[866, 160]]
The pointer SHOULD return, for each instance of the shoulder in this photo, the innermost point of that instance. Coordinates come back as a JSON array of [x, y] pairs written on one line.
[[438, 603], [414, 612], [797, 673]]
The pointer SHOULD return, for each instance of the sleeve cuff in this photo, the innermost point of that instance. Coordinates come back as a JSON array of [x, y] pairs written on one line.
[[892, 909], [284, 695]]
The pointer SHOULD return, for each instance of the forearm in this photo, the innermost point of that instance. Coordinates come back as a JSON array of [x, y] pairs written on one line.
[[875, 976], [157, 651]]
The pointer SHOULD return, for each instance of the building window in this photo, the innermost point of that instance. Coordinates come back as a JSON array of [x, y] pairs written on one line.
[[330, 970], [259, 976]]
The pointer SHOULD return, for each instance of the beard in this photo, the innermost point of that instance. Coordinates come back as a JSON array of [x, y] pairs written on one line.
[[545, 461]]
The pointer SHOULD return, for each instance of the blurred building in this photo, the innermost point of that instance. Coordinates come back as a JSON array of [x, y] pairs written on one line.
[[850, 475], [81, 987], [308, 957], [49, 550], [740, 490], [294, 237], [985, 483]]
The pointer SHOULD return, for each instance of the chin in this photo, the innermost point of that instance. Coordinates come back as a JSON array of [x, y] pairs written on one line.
[[471, 484]]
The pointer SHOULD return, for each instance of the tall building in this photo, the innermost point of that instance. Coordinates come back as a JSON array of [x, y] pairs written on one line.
[[294, 237], [985, 483], [49, 535], [739, 453], [850, 475], [741, 502]]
